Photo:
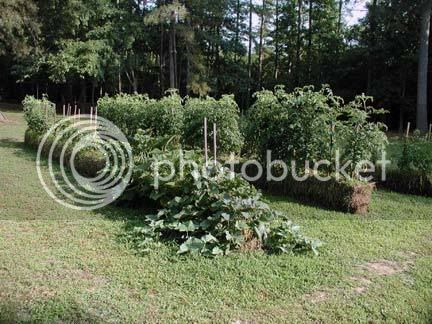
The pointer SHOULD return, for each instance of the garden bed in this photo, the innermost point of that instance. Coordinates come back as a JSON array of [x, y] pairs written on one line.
[[346, 196], [87, 163], [408, 182]]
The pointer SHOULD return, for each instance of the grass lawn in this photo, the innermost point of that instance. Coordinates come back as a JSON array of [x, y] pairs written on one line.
[[57, 264]]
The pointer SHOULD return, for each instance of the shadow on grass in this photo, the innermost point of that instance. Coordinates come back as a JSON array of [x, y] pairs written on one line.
[[21, 150], [130, 215], [46, 311]]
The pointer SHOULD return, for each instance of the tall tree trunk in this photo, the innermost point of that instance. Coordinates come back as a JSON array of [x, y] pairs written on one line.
[[422, 93], [119, 80], [237, 34], [217, 60], [249, 55], [402, 100], [298, 47], [339, 26], [94, 83], [174, 35], [161, 61], [172, 67], [276, 70], [83, 94], [310, 42], [371, 46], [261, 45], [133, 81]]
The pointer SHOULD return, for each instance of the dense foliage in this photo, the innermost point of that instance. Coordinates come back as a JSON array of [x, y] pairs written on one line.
[[170, 116], [416, 155], [308, 125], [38, 113], [79, 50], [209, 211], [133, 112], [224, 112]]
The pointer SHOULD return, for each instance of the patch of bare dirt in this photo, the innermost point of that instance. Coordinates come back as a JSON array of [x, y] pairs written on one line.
[[317, 297], [383, 267], [363, 284]]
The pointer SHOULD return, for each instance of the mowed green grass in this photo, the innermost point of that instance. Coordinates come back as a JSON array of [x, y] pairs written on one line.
[[57, 264]]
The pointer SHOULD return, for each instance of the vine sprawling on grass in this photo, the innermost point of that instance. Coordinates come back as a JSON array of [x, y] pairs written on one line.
[[211, 212]]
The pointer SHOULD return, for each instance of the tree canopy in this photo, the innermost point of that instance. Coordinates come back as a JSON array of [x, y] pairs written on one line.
[[77, 50]]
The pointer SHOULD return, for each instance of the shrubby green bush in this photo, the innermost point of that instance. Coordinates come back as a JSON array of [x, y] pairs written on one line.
[[416, 155], [133, 112], [224, 112], [168, 116], [309, 125], [209, 213], [39, 113]]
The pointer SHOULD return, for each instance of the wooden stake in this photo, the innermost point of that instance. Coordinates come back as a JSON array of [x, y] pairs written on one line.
[[3, 117], [96, 115], [214, 143], [430, 132], [205, 141], [69, 110], [75, 110], [64, 110], [79, 114], [91, 115], [408, 130]]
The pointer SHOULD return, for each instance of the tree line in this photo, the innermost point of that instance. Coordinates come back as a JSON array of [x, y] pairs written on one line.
[[79, 50]]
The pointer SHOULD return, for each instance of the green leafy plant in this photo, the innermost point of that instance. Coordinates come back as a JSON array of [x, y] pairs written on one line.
[[416, 155], [209, 213], [308, 125], [39, 113], [133, 112], [224, 112]]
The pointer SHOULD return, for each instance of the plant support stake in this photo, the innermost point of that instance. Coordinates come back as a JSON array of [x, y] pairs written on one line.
[[408, 129], [214, 142], [205, 142]]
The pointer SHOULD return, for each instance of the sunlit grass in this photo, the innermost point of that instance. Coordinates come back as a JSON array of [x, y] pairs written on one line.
[[57, 264]]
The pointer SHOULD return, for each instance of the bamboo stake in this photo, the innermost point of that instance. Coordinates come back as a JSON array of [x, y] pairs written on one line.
[[430, 132], [214, 142], [408, 130], [205, 141]]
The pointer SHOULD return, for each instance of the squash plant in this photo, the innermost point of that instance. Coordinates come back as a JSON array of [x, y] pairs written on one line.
[[209, 213]]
